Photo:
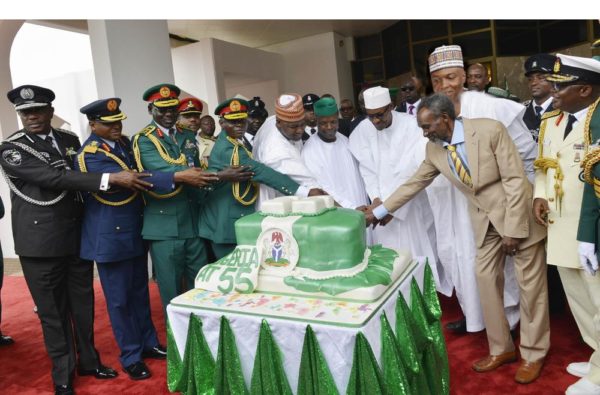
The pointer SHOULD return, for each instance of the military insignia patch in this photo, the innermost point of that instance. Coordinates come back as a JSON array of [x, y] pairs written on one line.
[[556, 68], [190, 104], [189, 144], [26, 93], [165, 91], [235, 105], [12, 157], [111, 105], [71, 151]]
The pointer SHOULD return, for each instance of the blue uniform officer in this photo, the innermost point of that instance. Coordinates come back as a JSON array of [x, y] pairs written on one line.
[[111, 236]]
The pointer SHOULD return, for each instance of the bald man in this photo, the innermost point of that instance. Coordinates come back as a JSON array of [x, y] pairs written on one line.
[[477, 77]]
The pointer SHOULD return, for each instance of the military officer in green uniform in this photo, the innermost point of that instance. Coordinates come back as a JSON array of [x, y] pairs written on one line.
[[232, 200], [171, 219]]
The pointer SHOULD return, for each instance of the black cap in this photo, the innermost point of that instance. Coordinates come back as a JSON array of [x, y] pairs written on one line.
[[256, 108], [30, 96], [309, 100], [540, 63], [104, 110]]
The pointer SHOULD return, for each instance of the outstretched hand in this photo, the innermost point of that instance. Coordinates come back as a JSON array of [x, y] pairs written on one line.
[[130, 180], [235, 174], [195, 177]]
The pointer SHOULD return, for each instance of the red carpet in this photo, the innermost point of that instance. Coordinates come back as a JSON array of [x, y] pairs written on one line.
[[25, 367]]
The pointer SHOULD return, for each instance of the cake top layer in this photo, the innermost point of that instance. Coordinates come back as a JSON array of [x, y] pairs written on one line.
[[293, 205]]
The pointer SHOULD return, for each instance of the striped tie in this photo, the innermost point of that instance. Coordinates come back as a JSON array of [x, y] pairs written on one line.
[[459, 166]]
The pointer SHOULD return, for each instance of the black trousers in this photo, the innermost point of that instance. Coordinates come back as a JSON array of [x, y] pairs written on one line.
[[62, 289]]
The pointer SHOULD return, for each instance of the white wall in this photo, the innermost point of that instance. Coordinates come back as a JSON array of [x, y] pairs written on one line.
[[315, 64], [214, 70]]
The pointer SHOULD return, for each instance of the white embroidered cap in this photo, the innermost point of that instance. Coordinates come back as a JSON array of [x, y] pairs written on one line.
[[376, 97]]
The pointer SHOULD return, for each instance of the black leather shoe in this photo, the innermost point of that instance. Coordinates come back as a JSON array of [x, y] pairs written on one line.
[[6, 340], [63, 390], [156, 352], [138, 371], [457, 327], [102, 372]]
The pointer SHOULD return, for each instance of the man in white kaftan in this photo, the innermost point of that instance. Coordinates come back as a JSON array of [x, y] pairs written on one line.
[[278, 144], [456, 245], [389, 149]]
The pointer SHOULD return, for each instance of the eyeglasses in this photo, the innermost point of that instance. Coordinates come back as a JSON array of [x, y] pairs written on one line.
[[379, 115]]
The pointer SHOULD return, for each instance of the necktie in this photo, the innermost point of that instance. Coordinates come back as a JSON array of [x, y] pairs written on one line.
[[411, 108], [538, 111], [463, 171], [569, 127], [50, 141], [312, 130], [172, 135]]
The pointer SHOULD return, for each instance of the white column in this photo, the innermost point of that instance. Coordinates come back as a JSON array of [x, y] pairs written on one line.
[[129, 57]]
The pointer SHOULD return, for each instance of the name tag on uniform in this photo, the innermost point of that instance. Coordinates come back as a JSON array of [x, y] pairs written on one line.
[[578, 147]]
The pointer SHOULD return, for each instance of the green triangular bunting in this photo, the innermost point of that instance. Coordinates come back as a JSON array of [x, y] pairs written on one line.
[[427, 354], [411, 340], [434, 314], [228, 377], [391, 361], [268, 375], [314, 377], [365, 376], [173, 361], [198, 364]]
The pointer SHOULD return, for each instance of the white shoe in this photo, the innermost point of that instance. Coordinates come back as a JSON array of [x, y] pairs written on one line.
[[583, 387], [579, 369]]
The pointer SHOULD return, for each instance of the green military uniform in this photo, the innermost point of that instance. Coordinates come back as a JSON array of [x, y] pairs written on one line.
[[231, 201], [171, 219], [590, 206]]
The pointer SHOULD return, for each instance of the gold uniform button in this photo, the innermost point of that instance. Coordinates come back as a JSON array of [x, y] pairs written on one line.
[[35, 222], [161, 211], [551, 200], [118, 228]]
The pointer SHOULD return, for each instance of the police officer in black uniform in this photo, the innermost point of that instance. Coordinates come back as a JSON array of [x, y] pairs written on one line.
[[537, 67], [46, 214]]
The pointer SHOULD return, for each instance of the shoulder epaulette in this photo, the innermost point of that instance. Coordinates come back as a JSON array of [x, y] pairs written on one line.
[[147, 130], [15, 136], [91, 148], [67, 132], [551, 114]]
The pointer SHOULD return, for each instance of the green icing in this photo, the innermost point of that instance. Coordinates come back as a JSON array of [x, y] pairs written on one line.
[[333, 240], [378, 271]]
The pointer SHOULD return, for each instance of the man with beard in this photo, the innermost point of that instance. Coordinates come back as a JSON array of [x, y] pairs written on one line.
[[451, 207], [232, 200], [257, 115], [537, 67], [479, 158], [278, 144]]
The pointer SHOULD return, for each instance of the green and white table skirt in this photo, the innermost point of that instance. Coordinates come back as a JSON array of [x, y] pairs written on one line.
[[400, 349]]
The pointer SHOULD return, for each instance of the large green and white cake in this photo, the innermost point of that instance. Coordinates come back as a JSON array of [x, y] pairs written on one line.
[[305, 247]]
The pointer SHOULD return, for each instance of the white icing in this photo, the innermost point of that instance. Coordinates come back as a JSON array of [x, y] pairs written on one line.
[[278, 206], [325, 275], [328, 200], [308, 206]]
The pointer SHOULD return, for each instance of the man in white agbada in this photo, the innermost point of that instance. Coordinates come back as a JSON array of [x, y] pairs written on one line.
[[278, 144], [328, 157], [457, 248], [389, 148]]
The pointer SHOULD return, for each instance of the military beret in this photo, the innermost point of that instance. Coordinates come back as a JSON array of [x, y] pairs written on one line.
[[163, 95], [190, 105], [394, 91], [30, 96], [233, 109], [104, 110], [309, 100], [325, 107], [256, 107], [540, 63], [575, 68]]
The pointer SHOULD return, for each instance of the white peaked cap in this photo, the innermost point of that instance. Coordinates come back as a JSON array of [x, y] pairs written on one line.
[[376, 97]]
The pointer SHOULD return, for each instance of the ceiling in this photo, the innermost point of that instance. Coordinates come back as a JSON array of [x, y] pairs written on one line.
[[251, 33]]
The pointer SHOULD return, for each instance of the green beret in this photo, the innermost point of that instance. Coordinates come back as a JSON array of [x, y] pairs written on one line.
[[325, 107], [393, 91]]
